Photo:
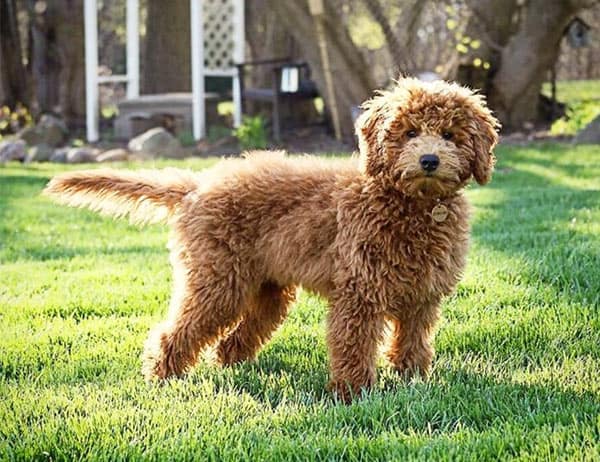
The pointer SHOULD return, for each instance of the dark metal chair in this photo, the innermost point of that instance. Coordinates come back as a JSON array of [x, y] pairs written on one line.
[[290, 82]]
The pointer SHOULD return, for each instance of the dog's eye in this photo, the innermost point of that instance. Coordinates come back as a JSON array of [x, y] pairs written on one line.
[[411, 133], [447, 135]]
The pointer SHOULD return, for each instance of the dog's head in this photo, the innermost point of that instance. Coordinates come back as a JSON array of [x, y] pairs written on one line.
[[427, 138]]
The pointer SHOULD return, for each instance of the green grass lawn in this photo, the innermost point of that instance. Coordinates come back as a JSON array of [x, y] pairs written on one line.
[[517, 371]]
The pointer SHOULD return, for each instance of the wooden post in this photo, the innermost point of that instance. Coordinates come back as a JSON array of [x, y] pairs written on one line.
[[553, 91], [317, 10]]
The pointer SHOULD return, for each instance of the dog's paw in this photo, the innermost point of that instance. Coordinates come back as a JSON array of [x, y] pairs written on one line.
[[231, 351], [347, 391], [154, 360], [407, 368]]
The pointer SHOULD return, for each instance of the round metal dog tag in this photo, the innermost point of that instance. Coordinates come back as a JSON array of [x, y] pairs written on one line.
[[439, 213]]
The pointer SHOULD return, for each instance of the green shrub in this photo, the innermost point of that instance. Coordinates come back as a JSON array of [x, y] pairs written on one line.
[[252, 134], [578, 115], [13, 121], [186, 138]]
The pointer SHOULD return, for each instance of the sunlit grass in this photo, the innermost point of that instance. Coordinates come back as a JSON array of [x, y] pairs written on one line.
[[515, 376]]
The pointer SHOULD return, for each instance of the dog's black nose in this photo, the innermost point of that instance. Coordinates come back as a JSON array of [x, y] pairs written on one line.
[[429, 162]]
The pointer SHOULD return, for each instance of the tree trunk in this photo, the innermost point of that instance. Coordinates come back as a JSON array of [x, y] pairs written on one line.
[[166, 60], [352, 80], [57, 58], [521, 43], [525, 61], [13, 81]]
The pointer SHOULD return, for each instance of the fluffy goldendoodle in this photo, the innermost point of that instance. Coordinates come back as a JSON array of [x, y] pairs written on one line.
[[383, 238]]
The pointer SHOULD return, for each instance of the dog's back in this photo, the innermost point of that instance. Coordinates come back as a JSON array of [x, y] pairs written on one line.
[[280, 213]]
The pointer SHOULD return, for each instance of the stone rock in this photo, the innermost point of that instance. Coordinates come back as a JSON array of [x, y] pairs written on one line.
[[156, 142], [60, 156], [50, 130], [113, 155], [81, 155], [590, 134], [30, 135], [40, 153], [13, 150]]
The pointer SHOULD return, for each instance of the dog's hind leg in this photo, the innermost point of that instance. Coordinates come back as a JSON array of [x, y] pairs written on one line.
[[267, 311], [209, 300]]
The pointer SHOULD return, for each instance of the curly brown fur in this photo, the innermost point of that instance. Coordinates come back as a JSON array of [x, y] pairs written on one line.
[[247, 232]]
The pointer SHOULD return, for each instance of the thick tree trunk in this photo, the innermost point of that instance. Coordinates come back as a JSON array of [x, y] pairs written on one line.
[[57, 58], [521, 43], [525, 61], [166, 60], [352, 80], [13, 81]]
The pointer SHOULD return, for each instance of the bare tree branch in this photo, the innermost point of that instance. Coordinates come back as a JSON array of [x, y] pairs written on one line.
[[376, 9]]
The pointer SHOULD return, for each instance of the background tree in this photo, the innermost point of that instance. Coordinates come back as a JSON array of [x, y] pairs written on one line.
[[353, 80], [166, 64], [521, 43], [56, 58], [13, 79]]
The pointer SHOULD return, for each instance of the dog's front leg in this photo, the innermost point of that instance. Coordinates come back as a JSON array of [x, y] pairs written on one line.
[[355, 329], [411, 349]]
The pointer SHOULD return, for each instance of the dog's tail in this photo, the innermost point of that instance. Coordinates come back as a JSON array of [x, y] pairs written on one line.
[[146, 196]]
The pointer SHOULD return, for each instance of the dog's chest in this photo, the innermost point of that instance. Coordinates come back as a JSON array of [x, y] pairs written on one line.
[[418, 255]]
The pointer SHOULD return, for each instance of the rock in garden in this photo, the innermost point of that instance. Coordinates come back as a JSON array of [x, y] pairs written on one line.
[[113, 155], [156, 142], [590, 134], [13, 150], [50, 130], [82, 155], [60, 156], [30, 135], [53, 131], [40, 153]]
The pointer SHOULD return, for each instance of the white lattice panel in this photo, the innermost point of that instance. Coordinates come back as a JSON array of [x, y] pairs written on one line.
[[219, 34]]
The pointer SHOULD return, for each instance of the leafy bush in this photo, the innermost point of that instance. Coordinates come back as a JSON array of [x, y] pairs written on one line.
[[252, 133], [13, 121], [578, 116], [583, 104]]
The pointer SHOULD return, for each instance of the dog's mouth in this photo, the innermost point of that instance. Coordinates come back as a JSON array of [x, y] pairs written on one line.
[[426, 184]]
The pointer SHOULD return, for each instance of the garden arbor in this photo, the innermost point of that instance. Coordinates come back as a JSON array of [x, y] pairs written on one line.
[[217, 43]]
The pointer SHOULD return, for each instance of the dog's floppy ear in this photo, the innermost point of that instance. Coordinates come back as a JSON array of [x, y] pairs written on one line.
[[369, 130], [484, 138]]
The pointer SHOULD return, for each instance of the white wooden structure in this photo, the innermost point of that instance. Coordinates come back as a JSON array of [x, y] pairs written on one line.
[[217, 32]]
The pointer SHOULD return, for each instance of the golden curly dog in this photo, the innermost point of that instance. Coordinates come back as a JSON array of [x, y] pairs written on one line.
[[383, 239]]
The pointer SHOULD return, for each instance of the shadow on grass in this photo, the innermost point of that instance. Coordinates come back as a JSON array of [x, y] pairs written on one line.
[[535, 222]]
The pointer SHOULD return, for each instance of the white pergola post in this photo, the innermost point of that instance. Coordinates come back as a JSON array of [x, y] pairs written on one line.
[[133, 49], [238, 57], [198, 102], [132, 79], [90, 15]]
